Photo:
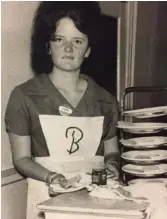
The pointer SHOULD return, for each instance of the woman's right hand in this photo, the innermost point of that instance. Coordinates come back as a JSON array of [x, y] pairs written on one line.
[[59, 179]]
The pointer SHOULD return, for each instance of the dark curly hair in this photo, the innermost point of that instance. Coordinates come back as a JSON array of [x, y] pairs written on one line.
[[84, 14]]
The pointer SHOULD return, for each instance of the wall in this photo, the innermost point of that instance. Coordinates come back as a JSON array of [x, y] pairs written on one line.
[[151, 52], [110, 8], [13, 196], [16, 18], [159, 63], [145, 50], [15, 36]]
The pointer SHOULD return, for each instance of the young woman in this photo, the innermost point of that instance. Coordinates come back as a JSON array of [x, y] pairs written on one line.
[[81, 112]]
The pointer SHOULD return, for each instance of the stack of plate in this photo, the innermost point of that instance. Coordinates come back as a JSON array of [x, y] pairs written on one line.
[[147, 160], [147, 163]]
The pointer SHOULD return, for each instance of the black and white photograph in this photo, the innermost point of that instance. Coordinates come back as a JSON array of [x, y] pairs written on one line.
[[83, 109]]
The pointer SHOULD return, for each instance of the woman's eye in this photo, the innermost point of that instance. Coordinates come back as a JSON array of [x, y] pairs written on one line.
[[58, 40], [78, 42]]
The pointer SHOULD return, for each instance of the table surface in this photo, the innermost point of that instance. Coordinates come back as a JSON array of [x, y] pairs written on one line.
[[81, 201]]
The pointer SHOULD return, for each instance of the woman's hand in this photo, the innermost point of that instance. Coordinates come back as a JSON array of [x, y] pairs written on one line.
[[112, 169], [58, 179]]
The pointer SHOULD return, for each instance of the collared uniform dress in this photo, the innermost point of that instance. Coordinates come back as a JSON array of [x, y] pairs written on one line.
[[33, 104]]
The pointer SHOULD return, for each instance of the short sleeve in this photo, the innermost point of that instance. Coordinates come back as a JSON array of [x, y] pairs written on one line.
[[111, 113], [16, 116]]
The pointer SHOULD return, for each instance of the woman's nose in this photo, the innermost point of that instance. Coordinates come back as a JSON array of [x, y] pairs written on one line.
[[69, 47]]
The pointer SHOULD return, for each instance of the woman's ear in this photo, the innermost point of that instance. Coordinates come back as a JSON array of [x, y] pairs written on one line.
[[87, 52], [48, 50]]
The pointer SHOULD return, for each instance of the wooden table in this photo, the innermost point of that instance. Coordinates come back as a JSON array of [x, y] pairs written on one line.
[[80, 205]]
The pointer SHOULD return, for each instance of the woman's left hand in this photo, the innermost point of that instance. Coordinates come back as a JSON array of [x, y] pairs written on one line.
[[112, 169]]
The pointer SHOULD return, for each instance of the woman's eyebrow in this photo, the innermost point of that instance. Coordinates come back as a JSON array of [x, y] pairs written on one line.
[[76, 38], [79, 38]]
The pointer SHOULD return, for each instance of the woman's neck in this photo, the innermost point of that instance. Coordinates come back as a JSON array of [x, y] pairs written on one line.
[[65, 80]]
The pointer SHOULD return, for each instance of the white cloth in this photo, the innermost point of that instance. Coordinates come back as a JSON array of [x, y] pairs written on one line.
[[157, 196], [104, 192], [72, 144], [153, 193]]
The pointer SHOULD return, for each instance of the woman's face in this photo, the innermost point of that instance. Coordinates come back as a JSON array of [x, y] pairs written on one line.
[[68, 46]]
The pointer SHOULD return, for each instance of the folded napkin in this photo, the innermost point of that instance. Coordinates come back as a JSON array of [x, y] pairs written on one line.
[[75, 181], [103, 192]]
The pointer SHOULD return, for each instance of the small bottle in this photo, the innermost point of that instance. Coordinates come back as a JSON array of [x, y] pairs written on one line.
[[96, 176], [103, 178]]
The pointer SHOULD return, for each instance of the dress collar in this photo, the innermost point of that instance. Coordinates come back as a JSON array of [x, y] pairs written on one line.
[[43, 86]]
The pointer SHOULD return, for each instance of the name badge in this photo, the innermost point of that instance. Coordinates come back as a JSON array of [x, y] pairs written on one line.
[[65, 111]]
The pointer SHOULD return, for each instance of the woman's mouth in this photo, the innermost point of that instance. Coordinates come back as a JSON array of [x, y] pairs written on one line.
[[68, 57]]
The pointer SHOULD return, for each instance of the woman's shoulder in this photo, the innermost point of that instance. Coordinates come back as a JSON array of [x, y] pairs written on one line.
[[107, 101], [101, 93], [104, 95], [32, 85]]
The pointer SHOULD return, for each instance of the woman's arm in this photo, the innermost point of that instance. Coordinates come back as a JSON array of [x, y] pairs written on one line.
[[22, 160], [18, 121], [111, 146], [112, 156]]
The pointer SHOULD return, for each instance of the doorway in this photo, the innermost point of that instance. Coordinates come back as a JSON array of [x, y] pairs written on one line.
[[102, 63], [107, 63]]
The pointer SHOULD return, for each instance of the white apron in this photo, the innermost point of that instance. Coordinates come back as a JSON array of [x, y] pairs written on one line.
[[72, 144]]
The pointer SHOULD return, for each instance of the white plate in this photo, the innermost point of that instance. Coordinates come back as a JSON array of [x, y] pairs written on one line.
[[141, 181], [145, 171], [142, 127], [147, 112], [83, 183], [142, 131], [144, 142], [145, 157]]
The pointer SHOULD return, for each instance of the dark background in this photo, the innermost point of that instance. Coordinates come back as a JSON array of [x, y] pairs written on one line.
[[102, 63]]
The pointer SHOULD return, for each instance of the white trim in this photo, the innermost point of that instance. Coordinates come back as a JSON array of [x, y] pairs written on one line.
[[10, 176], [90, 211], [121, 47], [131, 15], [118, 57]]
